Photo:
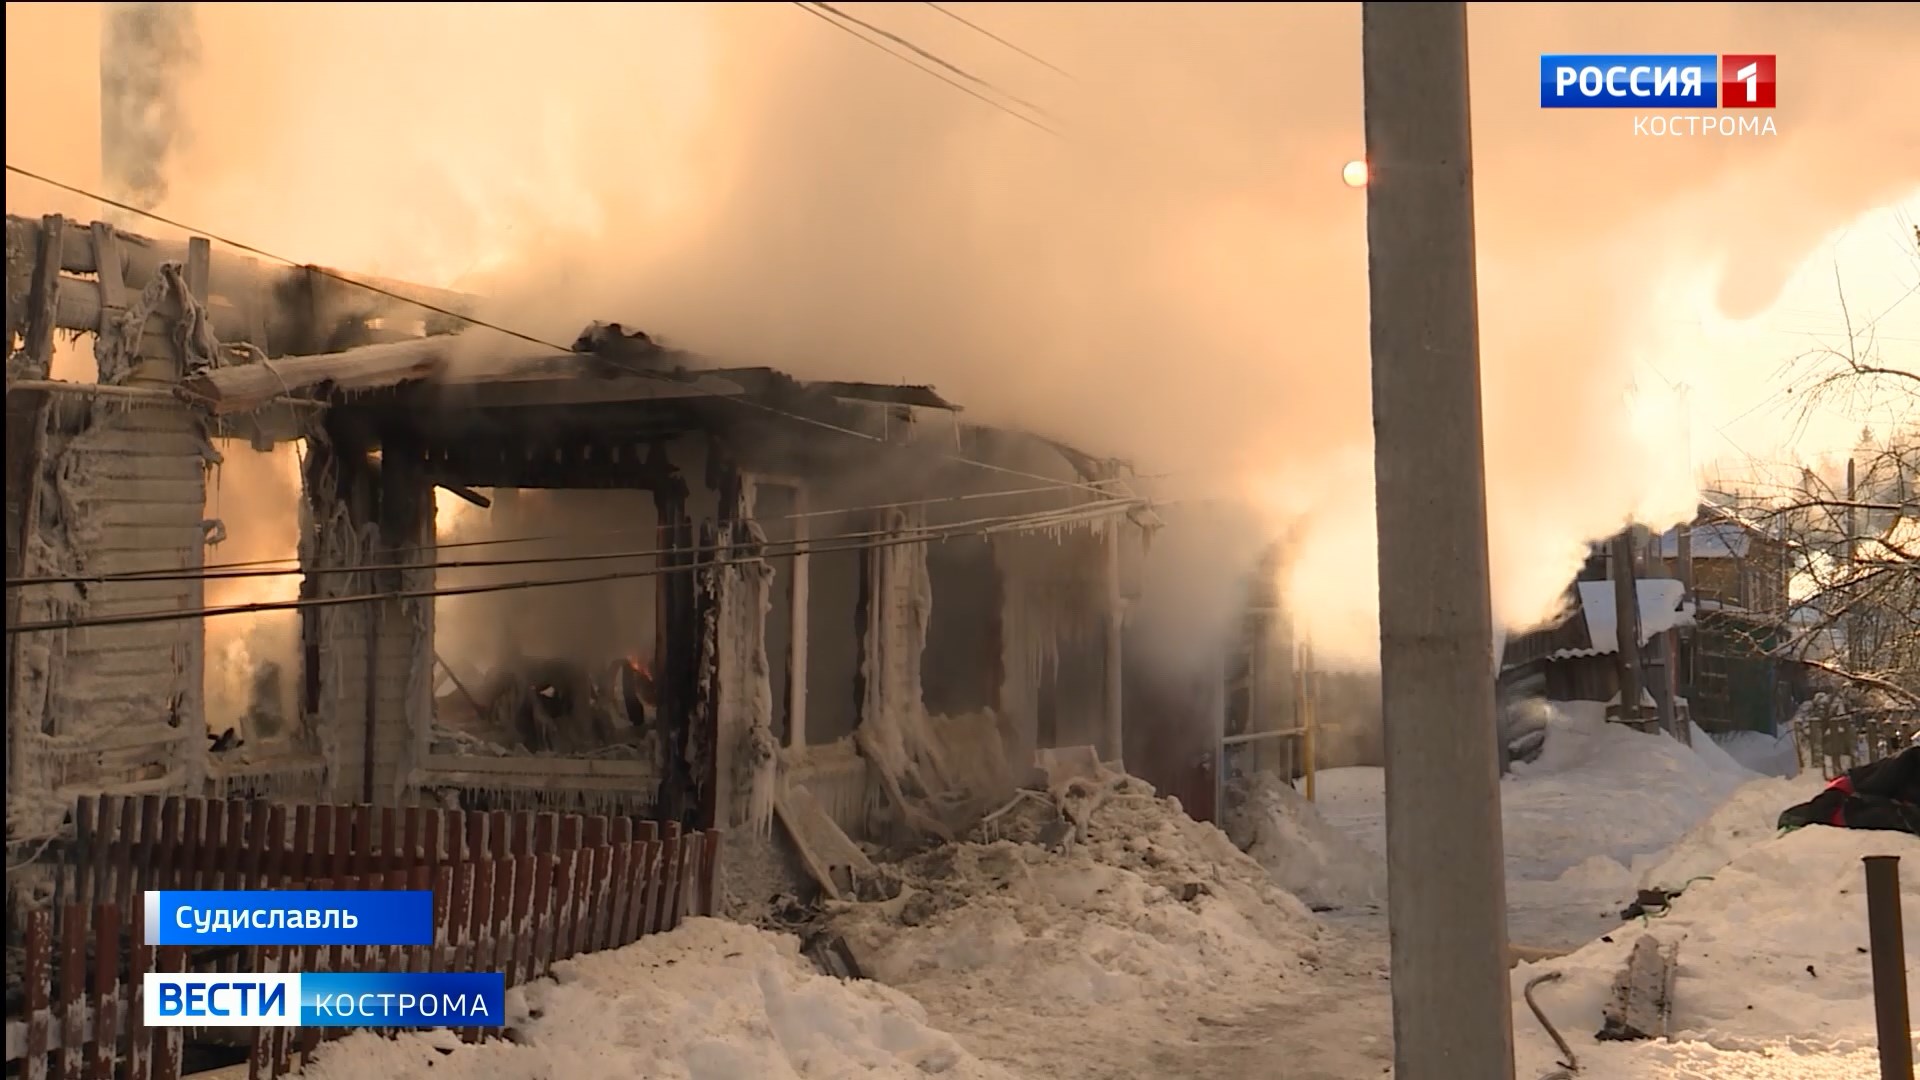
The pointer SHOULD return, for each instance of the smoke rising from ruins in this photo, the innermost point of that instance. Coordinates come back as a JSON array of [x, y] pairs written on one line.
[[1181, 280], [146, 51]]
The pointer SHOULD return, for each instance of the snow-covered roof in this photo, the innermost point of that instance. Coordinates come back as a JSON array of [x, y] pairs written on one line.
[[1716, 540], [1662, 608]]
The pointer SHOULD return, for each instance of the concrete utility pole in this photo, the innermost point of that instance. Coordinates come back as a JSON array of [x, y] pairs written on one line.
[[1626, 623], [1452, 1014]]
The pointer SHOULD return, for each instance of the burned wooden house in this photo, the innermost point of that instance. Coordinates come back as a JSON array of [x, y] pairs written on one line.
[[683, 589]]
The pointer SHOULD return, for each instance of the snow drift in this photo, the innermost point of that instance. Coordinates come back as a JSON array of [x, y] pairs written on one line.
[[1082, 961], [1774, 977], [710, 1001], [1305, 853]]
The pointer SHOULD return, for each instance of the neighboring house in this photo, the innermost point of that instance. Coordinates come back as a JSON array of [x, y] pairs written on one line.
[[1740, 575], [1574, 657]]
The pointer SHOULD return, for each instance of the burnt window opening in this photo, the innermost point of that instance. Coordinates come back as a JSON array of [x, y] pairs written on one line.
[[834, 629], [562, 669], [960, 666], [256, 666]]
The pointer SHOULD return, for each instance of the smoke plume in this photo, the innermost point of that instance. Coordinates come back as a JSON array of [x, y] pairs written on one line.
[[1180, 278]]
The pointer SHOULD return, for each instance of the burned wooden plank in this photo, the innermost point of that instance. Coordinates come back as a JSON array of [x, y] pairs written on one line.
[[39, 971], [823, 847], [1642, 1001]]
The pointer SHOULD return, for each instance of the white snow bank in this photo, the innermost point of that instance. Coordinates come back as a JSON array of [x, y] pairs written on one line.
[[710, 1001], [1774, 977], [1599, 788], [1307, 855], [1750, 816], [1768, 755]]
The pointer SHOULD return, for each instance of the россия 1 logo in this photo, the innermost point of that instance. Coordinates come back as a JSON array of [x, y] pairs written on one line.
[[1674, 91]]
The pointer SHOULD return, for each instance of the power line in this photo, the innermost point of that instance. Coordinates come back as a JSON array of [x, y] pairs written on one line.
[[217, 570], [936, 58], [698, 389], [921, 536], [216, 573], [977, 28], [814, 10]]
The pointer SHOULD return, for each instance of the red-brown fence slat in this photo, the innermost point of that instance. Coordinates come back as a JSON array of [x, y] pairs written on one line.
[[106, 990], [545, 825], [233, 859], [340, 865], [613, 921], [539, 947], [187, 855], [583, 865], [459, 917], [669, 877], [168, 1042], [320, 853], [300, 853], [273, 865], [500, 833], [520, 939], [523, 832], [258, 819], [710, 875], [479, 825], [106, 826], [433, 838], [73, 981], [116, 857], [560, 918], [480, 901], [70, 882], [139, 960], [38, 968], [443, 889], [213, 837], [362, 841], [689, 873], [593, 830], [413, 818], [420, 957], [642, 886], [593, 932], [388, 854], [164, 852], [143, 850], [569, 832], [499, 956]]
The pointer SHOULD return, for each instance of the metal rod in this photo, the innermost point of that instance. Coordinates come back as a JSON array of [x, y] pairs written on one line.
[[1886, 942], [1252, 736]]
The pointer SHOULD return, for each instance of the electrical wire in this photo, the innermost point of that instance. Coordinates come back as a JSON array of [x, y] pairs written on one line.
[[919, 536], [814, 10], [218, 574], [278, 568], [936, 58], [978, 29], [627, 368]]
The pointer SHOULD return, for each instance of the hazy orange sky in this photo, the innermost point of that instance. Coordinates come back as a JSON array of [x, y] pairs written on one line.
[[1181, 279]]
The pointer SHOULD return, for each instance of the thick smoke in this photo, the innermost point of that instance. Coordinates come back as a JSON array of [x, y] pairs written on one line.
[[1180, 279], [145, 51]]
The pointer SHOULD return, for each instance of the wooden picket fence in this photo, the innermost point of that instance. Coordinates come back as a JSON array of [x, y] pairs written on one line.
[[512, 892]]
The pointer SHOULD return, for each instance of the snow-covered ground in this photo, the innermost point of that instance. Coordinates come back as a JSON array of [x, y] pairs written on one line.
[[711, 1001], [1774, 977], [1599, 799], [1156, 947]]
